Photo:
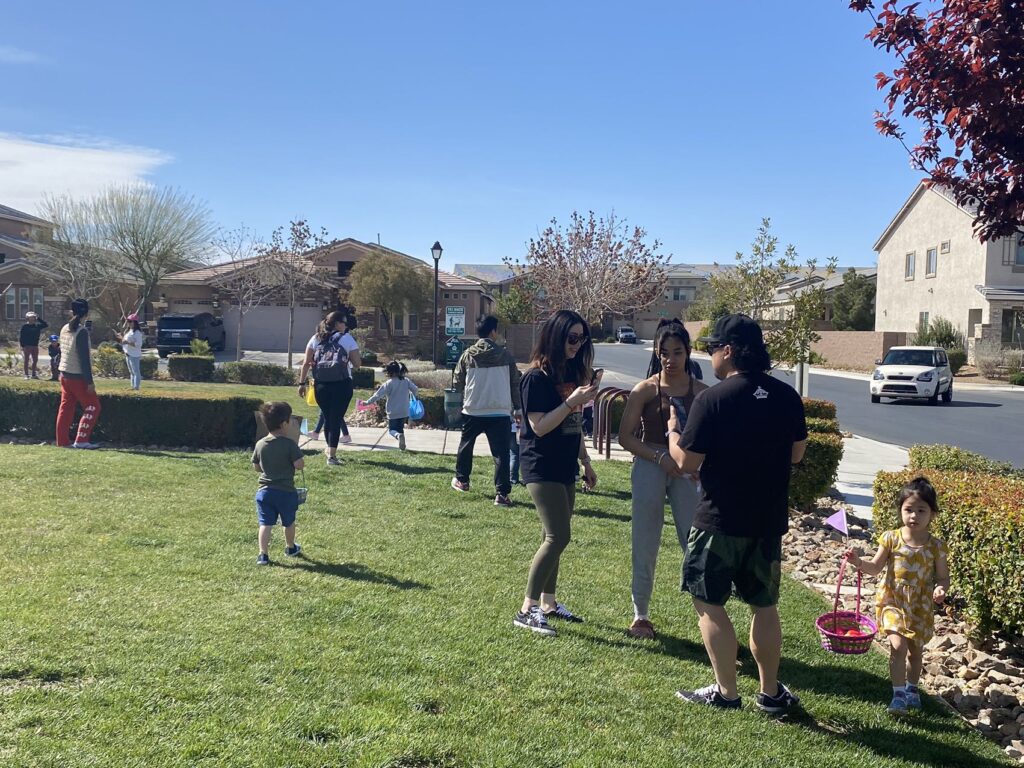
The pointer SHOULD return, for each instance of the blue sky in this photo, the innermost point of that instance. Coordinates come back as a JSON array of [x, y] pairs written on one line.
[[471, 123]]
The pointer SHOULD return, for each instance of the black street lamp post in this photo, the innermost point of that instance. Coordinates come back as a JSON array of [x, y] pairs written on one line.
[[435, 251]]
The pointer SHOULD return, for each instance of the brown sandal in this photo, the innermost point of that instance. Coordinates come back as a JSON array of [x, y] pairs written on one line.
[[641, 629]]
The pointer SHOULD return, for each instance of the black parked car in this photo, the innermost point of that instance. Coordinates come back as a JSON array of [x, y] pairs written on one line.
[[174, 333]]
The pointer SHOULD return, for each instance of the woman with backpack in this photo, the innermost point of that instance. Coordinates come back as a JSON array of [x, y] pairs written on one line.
[[328, 362]]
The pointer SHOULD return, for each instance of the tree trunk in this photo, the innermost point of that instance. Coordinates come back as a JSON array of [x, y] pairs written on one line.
[[238, 334], [291, 328]]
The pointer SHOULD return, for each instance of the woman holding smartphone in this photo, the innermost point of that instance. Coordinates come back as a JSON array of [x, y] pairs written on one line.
[[559, 381], [655, 476]]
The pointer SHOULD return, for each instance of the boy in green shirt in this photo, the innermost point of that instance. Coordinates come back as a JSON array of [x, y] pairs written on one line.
[[276, 458]]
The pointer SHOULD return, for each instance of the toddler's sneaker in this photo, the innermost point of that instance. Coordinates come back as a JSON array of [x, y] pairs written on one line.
[[913, 698], [898, 705], [293, 551], [345, 439], [563, 613], [401, 441], [709, 697], [778, 704], [263, 559], [534, 621], [501, 500], [459, 485]]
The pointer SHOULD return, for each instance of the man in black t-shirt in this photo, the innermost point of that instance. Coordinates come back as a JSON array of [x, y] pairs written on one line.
[[743, 434]]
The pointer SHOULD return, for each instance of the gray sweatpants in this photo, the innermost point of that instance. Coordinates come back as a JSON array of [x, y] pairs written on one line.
[[651, 486]]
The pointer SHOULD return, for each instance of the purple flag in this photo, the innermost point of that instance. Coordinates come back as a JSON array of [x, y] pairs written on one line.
[[838, 521]]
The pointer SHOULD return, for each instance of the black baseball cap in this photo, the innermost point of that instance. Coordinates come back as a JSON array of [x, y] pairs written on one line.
[[741, 330]]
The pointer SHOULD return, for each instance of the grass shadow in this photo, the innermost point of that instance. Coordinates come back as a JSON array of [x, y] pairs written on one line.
[[663, 644], [161, 454], [407, 469], [599, 514], [357, 572]]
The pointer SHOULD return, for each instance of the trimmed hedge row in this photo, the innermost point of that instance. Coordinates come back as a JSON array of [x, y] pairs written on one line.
[[813, 476], [819, 409], [136, 418], [981, 520], [823, 426], [190, 367], [263, 374], [949, 458], [362, 378]]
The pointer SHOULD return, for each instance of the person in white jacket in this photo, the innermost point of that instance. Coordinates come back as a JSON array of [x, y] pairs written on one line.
[[131, 343], [396, 391]]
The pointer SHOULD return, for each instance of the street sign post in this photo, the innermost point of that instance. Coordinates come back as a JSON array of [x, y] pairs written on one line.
[[455, 321]]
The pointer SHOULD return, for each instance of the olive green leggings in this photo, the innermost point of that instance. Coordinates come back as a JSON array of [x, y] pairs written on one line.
[[554, 502]]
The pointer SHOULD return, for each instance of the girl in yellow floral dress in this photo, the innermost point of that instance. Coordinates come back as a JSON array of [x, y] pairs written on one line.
[[916, 573]]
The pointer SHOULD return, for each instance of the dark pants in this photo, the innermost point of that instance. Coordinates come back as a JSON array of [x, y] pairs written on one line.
[[588, 421], [513, 444], [554, 502], [397, 425], [31, 353], [333, 397], [498, 430]]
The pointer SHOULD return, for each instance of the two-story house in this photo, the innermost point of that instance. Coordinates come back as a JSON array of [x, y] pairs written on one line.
[[931, 265], [22, 283]]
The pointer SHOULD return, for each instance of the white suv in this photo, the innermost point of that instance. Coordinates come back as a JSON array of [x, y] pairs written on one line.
[[919, 372]]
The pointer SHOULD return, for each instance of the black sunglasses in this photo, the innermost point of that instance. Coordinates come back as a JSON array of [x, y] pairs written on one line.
[[576, 338], [712, 348]]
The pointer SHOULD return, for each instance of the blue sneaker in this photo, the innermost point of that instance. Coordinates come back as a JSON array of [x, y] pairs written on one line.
[[293, 551], [913, 698], [898, 705], [263, 559]]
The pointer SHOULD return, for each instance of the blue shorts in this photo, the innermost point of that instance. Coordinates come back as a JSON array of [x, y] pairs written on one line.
[[272, 502]]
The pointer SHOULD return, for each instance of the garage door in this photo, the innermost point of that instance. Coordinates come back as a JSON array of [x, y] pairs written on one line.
[[266, 328]]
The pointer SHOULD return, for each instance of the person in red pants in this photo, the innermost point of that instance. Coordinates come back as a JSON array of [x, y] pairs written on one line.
[[76, 385]]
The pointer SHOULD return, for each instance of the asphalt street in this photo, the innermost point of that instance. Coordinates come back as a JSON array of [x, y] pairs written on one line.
[[989, 423]]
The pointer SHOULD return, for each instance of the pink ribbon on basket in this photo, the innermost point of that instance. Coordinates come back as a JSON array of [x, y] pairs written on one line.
[[839, 586]]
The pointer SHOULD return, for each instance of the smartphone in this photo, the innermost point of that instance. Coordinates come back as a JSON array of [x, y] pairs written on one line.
[[680, 409], [597, 375]]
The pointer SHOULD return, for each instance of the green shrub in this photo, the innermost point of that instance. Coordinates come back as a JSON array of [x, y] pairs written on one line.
[[957, 360], [939, 332], [369, 359], [823, 426], [264, 374], [1017, 379], [200, 348], [704, 331], [813, 476], [981, 520], [362, 378], [949, 458], [190, 367], [109, 362], [136, 418], [819, 409]]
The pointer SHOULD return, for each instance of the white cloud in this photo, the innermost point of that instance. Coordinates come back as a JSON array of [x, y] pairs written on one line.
[[11, 55], [33, 167]]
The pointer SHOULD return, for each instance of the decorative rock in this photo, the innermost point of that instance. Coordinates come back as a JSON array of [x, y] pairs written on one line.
[[1002, 697], [967, 673]]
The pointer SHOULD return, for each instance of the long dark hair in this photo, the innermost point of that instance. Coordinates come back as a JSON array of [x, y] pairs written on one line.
[[79, 309], [549, 352], [326, 327], [668, 329]]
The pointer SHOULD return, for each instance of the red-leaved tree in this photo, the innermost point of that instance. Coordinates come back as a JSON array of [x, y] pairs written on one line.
[[961, 74]]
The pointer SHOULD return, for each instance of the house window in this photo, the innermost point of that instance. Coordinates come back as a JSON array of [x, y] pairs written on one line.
[[23, 300], [931, 262], [447, 296], [1013, 327], [922, 321], [12, 309], [944, 248], [465, 295], [908, 271], [383, 322], [344, 267], [1018, 259], [399, 323], [37, 301], [414, 323]]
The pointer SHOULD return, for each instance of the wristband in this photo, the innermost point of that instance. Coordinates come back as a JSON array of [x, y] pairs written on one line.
[[304, 382]]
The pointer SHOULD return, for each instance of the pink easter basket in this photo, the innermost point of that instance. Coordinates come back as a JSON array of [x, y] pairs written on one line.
[[834, 625]]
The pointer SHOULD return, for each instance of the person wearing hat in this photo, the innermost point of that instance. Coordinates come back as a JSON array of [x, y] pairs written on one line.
[[131, 343], [54, 352], [28, 340], [744, 435], [76, 385]]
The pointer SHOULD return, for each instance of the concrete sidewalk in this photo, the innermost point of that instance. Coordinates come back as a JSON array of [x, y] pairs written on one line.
[[862, 458]]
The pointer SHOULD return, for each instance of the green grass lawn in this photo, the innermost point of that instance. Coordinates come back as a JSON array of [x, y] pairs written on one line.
[[136, 630]]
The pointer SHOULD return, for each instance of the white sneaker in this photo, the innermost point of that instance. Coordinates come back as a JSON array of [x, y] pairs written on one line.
[[345, 440], [85, 446]]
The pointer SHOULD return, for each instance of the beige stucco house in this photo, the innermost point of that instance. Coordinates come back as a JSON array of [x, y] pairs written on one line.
[[931, 265], [23, 284]]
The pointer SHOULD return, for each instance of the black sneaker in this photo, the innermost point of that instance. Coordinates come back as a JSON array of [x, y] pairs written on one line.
[[778, 704], [534, 621], [293, 551], [501, 500], [263, 559], [709, 697], [563, 613]]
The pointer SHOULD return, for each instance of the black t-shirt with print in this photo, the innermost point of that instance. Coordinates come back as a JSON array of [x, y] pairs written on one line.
[[745, 426], [553, 457]]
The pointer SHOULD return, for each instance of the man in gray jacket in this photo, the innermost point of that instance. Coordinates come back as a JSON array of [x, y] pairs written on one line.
[[489, 380]]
